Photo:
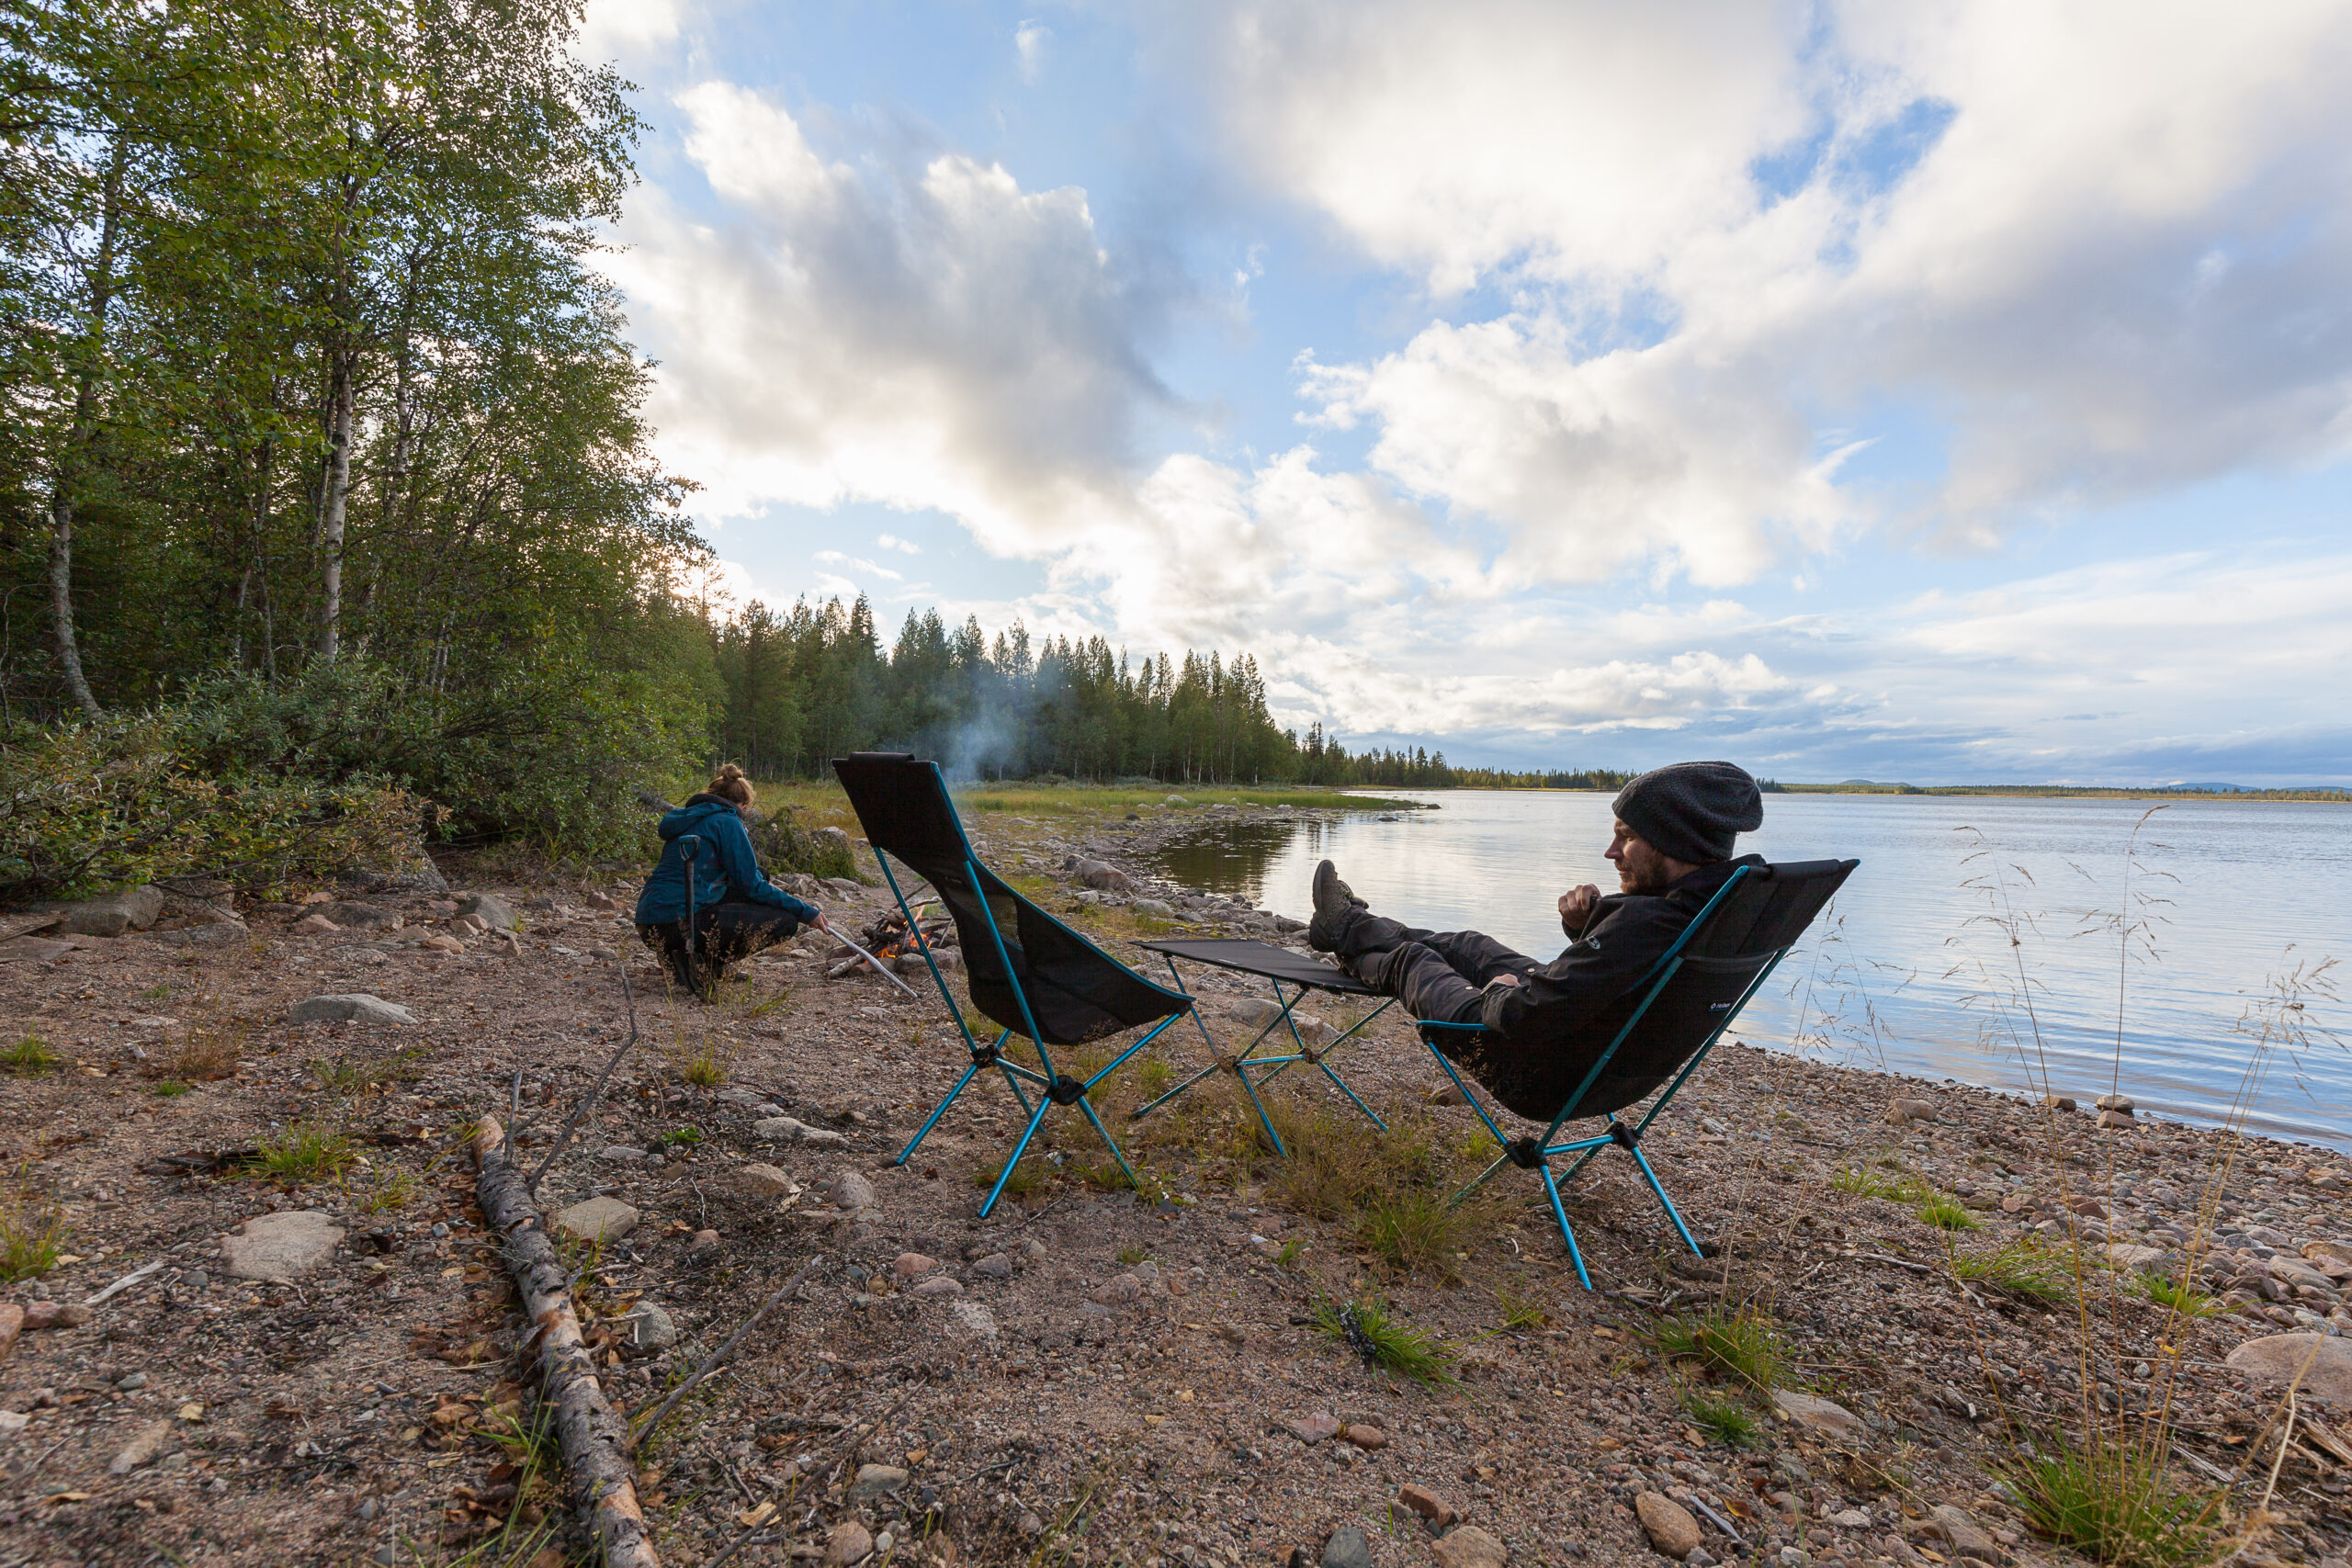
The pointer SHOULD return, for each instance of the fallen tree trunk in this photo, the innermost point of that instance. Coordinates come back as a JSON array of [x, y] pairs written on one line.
[[596, 1466]]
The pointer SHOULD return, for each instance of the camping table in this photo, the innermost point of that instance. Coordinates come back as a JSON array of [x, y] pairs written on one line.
[[1279, 966]]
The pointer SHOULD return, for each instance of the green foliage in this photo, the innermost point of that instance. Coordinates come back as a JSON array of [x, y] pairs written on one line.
[[1395, 1189], [170, 1088], [1946, 1214], [303, 1152], [1863, 1182], [1520, 1311], [2178, 1295], [381, 1191], [28, 1057], [1736, 1342], [1725, 1420], [1369, 1329], [2021, 1272], [2114, 1501], [30, 1242]]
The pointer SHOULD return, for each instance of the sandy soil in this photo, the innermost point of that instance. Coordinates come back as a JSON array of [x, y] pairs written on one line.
[[1108, 1376]]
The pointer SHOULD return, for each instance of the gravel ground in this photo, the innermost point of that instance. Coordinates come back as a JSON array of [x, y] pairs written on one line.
[[1092, 1374]]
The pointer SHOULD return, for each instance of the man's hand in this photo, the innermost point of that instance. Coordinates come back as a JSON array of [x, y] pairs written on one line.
[[1577, 906], [818, 922], [1502, 980]]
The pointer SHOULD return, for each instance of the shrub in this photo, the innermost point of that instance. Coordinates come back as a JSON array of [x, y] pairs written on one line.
[[1739, 1343], [1726, 1421], [29, 1243], [29, 1058], [2020, 1273], [305, 1151], [2114, 1501], [1368, 1328]]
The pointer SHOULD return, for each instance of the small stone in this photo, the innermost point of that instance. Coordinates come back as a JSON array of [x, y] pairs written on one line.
[[2276, 1358], [12, 1422], [702, 1241], [1368, 1438], [849, 1191], [1033, 1249], [1154, 909], [791, 1130], [2126, 1259], [353, 1006], [1446, 1094], [913, 1266], [649, 1327], [972, 1320], [1700, 1558], [1825, 1417], [598, 1219], [2120, 1103], [281, 1247], [874, 1479], [995, 1266], [130, 1384], [1850, 1519], [438, 942], [1119, 1289], [144, 1449], [1669, 1524], [1794, 1557], [2117, 1118], [1315, 1426], [2057, 1102], [764, 1182], [938, 1285], [1467, 1546], [12, 1323], [620, 1154], [848, 1543], [1346, 1548], [1903, 1111], [1966, 1537], [1428, 1504], [489, 909], [314, 925], [361, 917]]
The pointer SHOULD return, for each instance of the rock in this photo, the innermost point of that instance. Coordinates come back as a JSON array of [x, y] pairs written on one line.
[[1446, 1094], [489, 908], [973, 1320], [995, 1266], [361, 917], [1428, 1504], [1669, 1524], [702, 1241], [1033, 1249], [351, 1007], [12, 1422], [1850, 1519], [2295, 1271], [2126, 1259], [55, 1314], [1825, 1416], [440, 942], [849, 1543], [913, 1266], [1700, 1558], [219, 933], [2276, 1358], [2057, 1102], [1119, 1289], [32, 949], [314, 925], [759, 1181], [112, 914], [12, 1323], [2328, 1251], [788, 1130], [1903, 1111], [1347, 1548], [1176, 800], [1314, 1427], [649, 1327], [620, 1154], [2116, 1119], [1367, 1437], [281, 1247], [2119, 1103], [145, 1447], [1100, 876], [1966, 1537], [598, 1219], [874, 1479], [1467, 1546], [849, 1191], [938, 1285], [1154, 908]]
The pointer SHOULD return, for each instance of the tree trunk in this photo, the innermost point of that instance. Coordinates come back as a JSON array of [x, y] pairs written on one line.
[[61, 599], [67, 474], [333, 505]]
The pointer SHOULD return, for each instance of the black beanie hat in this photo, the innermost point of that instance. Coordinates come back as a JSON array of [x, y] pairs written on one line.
[[1691, 811]]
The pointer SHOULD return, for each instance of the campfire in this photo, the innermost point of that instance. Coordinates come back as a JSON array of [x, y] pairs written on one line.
[[896, 943]]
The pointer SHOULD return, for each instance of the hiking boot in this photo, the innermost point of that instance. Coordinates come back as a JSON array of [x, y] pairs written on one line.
[[683, 971], [1334, 902]]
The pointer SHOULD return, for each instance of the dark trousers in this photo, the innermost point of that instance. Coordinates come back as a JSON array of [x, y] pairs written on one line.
[[732, 929], [1440, 975]]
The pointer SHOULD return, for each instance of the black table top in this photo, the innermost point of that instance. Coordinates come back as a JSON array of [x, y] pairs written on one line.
[[1253, 957]]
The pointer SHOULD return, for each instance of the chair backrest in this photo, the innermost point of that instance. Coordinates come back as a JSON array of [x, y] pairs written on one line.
[[1027, 970], [1707, 978]]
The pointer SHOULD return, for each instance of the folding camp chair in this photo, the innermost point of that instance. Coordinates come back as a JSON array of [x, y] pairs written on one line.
[[1028, 973], [1679, 1010], [1278, 967]]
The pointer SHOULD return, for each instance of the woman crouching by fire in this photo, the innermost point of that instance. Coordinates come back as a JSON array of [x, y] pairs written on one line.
[[736, 911]]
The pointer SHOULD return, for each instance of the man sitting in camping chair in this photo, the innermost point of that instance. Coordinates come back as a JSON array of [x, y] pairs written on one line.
[[1545, 1025]]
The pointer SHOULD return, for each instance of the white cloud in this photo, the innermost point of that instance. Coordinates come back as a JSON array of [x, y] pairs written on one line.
[[892, 542], [1029, 42], [623, 29]]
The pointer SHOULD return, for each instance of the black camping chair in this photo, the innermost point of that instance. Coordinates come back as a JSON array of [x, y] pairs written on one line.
[[1678, 1012], [1027, 972]]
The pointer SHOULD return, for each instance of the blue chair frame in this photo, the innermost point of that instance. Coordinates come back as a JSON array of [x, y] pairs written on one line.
[[1536, 1153]]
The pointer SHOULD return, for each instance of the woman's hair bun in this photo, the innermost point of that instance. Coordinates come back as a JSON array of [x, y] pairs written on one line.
[[731, 785], [729, 771]]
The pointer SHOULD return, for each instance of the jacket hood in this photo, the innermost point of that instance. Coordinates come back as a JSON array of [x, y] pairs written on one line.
[[698, 810]]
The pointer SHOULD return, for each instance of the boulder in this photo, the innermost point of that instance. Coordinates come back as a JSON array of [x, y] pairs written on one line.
[[361, 917], [1668, 1525], [111, 914], [2276, 1358], [349, 1007], [281, 1247], [1904, 1111], [1154, 908], [2328, 1251], [598, 1219], [2119, 1103], [1102, 876], [1825, 1417], [33, 950], [492, 911]]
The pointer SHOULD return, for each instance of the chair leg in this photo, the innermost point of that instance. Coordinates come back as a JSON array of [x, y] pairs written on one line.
[[1018, 1150], [1568, 1233], [1343, 1085], [1479, 1180], [1150, 1106], [1671, 1212], [1108, 1142], [937, 1111], [1242, 1073]]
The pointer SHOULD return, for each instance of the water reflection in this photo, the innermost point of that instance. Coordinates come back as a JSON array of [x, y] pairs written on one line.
[[1909, 969]]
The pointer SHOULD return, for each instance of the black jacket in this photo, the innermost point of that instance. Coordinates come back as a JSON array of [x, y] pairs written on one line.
[[1563, 1015]]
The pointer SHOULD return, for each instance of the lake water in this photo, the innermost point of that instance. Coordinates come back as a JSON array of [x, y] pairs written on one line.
[[1913, 968]]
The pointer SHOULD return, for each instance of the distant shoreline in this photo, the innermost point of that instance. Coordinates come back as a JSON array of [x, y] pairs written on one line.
[[2055, 792]]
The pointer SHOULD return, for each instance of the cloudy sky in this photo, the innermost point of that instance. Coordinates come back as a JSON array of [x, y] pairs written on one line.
[[1900, 391]]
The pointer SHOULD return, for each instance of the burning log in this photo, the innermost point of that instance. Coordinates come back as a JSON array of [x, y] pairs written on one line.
[[895, 944]]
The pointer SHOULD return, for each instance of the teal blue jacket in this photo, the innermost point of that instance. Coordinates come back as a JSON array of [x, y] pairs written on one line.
[[726, 867]]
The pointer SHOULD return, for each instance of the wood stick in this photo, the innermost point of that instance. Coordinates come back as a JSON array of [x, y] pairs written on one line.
[[602, 1480], [595, 1092], [711, 1362]]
